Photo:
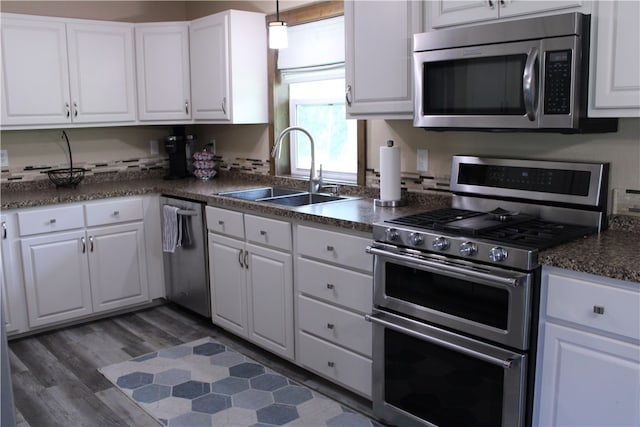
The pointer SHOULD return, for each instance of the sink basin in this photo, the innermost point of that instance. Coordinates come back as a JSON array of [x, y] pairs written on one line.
[[304, 199], [254, 194]]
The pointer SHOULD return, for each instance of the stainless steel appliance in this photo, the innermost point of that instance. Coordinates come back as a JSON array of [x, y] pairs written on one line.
[[529, 74], [456, 290], [186, 271]]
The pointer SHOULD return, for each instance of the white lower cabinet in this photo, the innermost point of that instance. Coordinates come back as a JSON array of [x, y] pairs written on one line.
[[334, 290], [14, 308], [588, 371], [251, 273], [71, 270]]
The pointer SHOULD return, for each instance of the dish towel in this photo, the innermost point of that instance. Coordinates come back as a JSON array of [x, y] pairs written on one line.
[[170, 228], [186, 234]]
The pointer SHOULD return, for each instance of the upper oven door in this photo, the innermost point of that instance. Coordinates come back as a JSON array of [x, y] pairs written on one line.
[[483, 301], [498, 86]]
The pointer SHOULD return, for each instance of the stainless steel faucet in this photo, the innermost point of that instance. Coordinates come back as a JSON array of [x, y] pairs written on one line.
[[314, 182]]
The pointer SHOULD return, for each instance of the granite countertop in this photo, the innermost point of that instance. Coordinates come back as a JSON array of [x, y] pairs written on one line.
[[610, 253]]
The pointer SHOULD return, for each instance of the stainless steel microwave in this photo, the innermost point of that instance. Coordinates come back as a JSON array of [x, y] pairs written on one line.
[[529, 74]]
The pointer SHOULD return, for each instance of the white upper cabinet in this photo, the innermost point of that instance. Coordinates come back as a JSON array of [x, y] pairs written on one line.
[[228, 53], [66, 71], [35, 74], [101, 72], [378, 57], [446, 13], [162, 65], [615, 59]]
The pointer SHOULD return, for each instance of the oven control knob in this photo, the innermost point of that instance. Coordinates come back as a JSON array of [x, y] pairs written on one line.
[[392, 234], [468, 249], [440, 244], [498, 254], [416, 239]]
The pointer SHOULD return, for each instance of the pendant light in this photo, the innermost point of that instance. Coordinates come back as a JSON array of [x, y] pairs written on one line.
[[278, 31]]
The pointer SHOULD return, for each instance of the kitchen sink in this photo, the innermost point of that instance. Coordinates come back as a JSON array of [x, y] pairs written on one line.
[[304, 199], [261, 193], [283, 196]]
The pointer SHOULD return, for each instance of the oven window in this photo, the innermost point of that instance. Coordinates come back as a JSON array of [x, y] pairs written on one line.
[[441, 386], [461, 298], [476, 86]]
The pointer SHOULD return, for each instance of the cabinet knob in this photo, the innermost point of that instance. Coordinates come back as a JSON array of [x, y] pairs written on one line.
[[330, 326], [598, 309], [331, 364], [116, 213], [263, 233], [330, 286], [52, 221], [330, 248], [220, 222]]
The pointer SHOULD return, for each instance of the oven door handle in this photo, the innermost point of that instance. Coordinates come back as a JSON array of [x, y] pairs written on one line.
[[503, 363], [447, 269]]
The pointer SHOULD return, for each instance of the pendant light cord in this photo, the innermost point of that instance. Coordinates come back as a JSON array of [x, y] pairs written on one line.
[[278, 10]]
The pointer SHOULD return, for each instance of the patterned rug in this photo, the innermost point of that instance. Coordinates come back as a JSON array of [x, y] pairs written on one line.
[[204, 383]]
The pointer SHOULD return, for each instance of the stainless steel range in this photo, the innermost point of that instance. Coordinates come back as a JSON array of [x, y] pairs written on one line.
[[456, 291]]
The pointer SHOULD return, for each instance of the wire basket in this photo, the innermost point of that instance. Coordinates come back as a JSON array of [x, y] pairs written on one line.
[[67, 177]]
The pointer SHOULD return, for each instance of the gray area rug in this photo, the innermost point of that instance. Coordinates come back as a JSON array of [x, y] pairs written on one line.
[[205, 383]]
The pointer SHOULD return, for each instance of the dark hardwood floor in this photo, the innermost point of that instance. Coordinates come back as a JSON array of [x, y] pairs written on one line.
[[56, 382]]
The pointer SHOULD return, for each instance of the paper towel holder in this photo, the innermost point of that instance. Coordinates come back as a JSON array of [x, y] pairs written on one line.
[[391, 203]]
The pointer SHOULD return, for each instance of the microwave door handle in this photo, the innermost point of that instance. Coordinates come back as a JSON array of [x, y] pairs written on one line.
[[530, 84]]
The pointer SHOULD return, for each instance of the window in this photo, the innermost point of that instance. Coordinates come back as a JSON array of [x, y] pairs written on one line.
[[319, 107], [313, 69]]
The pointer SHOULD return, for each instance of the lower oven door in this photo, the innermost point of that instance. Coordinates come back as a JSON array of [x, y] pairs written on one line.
[[484, 301], [426, 376]]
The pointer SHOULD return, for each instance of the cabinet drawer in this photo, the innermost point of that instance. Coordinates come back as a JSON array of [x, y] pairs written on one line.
[[577, 301], [335, 247], [268, 232], [113, 211], [336, 285], [342, 327], [50, 220], [342, 366], [224, 221]]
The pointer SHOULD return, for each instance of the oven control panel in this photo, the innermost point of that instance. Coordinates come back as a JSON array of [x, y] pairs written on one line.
[[479, 250]]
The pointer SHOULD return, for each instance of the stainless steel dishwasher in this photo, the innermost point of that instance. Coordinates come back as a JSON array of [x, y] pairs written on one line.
[[186, 269]]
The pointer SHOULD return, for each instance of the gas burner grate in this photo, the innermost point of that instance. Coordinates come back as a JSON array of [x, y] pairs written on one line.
[[434, 219], [538, 233]]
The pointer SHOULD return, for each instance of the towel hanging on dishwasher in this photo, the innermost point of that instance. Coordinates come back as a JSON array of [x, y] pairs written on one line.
[[170, 228]]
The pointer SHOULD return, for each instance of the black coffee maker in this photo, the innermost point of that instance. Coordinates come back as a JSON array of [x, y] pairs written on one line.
[[178, 147]]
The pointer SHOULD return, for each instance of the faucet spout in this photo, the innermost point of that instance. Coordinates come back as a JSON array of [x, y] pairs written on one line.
[[314, 183]]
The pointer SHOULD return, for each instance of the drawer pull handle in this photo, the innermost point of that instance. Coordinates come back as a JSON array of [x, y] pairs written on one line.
[[331, 364], [330, 326], [330, 248], [116, 213], [263, 233], [52, 221], [598, 309], [330, 286], [4, 230]]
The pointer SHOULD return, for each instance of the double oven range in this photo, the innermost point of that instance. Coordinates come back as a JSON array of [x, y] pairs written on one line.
[[456, 290]]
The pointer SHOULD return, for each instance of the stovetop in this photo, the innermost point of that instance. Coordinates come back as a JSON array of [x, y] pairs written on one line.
[[499, 237]]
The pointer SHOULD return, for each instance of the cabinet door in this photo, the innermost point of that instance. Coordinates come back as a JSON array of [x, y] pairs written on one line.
[[588, 380], [528, 7], [615, 61], [162, 65], [445, 13], [270, 286], [227, 275], [56, 277], [35, 75], [209, 55], [118, 266], [380, 85], [101, 72]]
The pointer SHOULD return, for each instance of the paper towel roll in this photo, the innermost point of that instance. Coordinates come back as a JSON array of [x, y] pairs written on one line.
[[389, 172]]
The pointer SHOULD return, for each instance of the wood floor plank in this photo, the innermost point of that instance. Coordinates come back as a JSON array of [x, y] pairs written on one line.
[[35, 405], [128, 410], [130, 343], [156, 337]]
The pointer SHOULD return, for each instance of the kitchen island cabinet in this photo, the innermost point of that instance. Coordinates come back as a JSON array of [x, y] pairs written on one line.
[[589, 351], [251, 272], [66, 71], [334, 290]]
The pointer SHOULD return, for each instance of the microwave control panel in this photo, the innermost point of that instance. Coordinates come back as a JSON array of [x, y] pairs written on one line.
[[557, 82]]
